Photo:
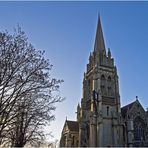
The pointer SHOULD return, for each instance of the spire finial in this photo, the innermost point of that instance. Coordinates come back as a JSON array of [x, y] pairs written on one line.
[[78, 106], [98, 15]]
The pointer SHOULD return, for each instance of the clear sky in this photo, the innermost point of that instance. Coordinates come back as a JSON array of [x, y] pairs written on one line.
[[66, 31]]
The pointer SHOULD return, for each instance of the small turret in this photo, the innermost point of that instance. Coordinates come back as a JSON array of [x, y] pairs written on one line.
[[78, 107], [109, 53], [78, 112]]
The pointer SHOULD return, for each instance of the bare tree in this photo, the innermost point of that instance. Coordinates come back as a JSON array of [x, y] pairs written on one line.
[[27, 92]]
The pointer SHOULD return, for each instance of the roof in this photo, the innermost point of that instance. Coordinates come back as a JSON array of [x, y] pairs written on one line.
[[73, 125], [124, 109]]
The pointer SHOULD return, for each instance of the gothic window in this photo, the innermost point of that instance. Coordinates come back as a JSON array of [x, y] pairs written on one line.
[[109, 88], [103, 89], [73, 140], [139, 129], [103, 78], [139, 133], [107, 110], [103, 81], [109, 79], [124, 133], [77, 143]]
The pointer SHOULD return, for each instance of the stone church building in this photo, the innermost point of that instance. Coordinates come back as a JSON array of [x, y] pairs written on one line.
[[101, 121]]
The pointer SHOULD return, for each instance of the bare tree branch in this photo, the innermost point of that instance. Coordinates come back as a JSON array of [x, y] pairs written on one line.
[[28, 93]]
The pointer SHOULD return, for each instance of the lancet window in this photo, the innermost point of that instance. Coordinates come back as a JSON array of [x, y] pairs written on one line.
[[103, 84]]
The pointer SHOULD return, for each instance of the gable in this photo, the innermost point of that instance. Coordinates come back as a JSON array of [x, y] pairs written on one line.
[[125, 109], [133, 110], [70, 126], [65, 128], [137, 110], [73, 126]]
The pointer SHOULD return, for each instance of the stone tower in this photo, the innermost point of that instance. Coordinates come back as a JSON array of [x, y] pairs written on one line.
[[101, 122], [99, 115]]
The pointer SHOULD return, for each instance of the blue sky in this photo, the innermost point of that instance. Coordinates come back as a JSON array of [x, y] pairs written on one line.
[[66, 31]]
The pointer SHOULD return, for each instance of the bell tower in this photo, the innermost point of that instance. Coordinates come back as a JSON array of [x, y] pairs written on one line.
[[100, 111]]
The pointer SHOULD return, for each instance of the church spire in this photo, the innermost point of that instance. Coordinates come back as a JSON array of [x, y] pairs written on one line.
[[99, 41]]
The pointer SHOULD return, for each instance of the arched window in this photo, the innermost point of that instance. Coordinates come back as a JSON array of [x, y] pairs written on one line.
[[109, 87], [77, 143], [109, 79], [109, 90], [73, 140], [103, 83], [139, 129], [102, 77], [107, 110]]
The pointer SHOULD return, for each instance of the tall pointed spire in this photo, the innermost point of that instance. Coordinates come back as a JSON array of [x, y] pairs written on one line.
[[99, 41]]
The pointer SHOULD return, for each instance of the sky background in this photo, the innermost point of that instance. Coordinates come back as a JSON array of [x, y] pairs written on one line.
[[66, 31]]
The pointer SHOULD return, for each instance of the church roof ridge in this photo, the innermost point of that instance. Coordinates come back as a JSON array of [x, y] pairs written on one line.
[[125, 108], [73, 125], [71, 121], [128, 105]]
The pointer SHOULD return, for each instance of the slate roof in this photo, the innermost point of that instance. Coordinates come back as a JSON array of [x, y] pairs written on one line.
[[124, 109], [73, 125]]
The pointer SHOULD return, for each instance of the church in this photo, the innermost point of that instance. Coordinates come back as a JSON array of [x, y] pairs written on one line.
[[101, 121]]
